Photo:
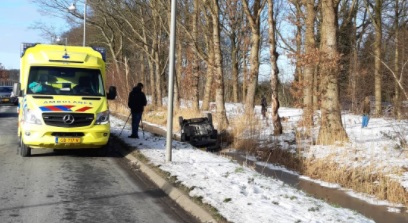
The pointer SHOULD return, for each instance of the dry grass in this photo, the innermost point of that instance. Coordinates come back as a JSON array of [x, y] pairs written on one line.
[[362, 179], [157, 115], [330, 136], [281, 157], [245, 130]]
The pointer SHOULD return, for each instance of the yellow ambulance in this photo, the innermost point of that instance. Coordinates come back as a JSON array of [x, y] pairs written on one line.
[[62, 98]]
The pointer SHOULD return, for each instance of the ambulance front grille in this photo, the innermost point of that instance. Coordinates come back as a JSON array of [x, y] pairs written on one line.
[[68, 119]]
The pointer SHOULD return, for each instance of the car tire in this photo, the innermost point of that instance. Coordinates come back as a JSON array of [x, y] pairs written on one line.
[[214, 134], [24, 149], [183, 137], [209, 117], [181, 121]]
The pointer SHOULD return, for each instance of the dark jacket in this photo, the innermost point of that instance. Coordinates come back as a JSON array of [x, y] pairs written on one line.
[[137, 100], [366, 106]]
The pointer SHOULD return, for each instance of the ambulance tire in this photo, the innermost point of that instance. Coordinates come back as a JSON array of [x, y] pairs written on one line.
[[101, 152], [24, 149]]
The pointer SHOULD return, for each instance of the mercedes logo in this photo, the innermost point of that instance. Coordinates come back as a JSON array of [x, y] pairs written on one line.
[[68, 119]]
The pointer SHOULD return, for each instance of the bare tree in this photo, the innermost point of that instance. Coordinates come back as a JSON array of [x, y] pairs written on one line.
[[219, 76], [310, 49], [376, 18], [331, 129], [277, 126], [195, 59], [233, 30], [253, 15]]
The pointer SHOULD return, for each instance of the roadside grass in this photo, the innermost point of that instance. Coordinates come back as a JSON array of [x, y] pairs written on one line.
[[369, 180], [247, 133]]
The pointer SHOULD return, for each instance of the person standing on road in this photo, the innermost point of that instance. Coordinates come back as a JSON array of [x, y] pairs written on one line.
[[136, 102], [366, 112]]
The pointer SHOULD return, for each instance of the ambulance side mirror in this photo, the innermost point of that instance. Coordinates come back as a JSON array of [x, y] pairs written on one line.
[[17, 89], [112, 93]]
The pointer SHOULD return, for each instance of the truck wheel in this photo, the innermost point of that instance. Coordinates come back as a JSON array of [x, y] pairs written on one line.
[[181, 121], [24, 149], [209, 117]]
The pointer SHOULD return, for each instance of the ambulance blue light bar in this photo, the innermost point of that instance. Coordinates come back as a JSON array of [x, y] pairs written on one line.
[[102, 51], [25, 46]]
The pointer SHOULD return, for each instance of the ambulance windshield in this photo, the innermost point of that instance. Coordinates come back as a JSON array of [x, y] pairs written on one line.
[[65, 81]]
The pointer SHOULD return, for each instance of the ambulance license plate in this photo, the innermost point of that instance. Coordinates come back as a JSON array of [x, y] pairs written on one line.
[[67, 140]]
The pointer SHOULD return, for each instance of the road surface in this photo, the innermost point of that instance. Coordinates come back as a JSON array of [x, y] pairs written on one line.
[[75, 186]]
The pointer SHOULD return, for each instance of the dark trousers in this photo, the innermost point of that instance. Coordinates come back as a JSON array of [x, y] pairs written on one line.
[[136, 117]]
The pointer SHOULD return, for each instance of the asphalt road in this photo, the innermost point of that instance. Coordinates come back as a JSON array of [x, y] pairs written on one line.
[[75, 186]]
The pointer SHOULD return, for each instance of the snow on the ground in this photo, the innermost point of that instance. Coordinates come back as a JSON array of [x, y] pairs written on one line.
[[239, 194], [380, 146]]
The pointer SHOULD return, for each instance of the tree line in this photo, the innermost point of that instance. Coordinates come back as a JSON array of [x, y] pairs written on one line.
[[341, 51]]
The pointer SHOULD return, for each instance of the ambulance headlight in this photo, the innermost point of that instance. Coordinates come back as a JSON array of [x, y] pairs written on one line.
[[32, 117], [102, 118]]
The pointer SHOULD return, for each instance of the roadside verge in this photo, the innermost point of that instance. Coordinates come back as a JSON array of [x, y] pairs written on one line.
[[176, 194]]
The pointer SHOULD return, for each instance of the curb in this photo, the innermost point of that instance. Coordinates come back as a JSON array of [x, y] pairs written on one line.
[[173, 192]]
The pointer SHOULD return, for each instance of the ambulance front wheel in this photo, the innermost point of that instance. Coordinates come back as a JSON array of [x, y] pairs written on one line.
[[24, 149]]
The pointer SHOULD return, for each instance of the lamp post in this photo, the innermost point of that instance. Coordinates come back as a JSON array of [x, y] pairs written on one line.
[[72, 9], [171, 81]]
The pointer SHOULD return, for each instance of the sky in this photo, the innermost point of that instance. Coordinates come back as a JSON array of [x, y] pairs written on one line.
[[16, 16], [241, 194]]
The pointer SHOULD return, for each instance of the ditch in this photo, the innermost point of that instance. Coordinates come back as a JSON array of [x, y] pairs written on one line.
[[379, 213]]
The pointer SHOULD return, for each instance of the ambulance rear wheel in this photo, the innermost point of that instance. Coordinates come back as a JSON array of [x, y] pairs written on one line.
[[24, 149]]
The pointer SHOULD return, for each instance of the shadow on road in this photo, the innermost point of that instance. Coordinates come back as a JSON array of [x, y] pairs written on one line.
[[8, 115]]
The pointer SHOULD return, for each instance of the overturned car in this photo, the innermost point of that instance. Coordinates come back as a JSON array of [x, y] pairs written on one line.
[[199, 132]]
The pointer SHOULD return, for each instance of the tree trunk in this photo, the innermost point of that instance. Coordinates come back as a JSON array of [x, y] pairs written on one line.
[[152, 82], [331, 129], [277, 125], [195, 62], [158, 79], [310, 47], [234, 72], [377, 53], [209, 80], [254, 22], [179, 70], [397, 97], [298, 40], [219, 76], [244, 78]]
